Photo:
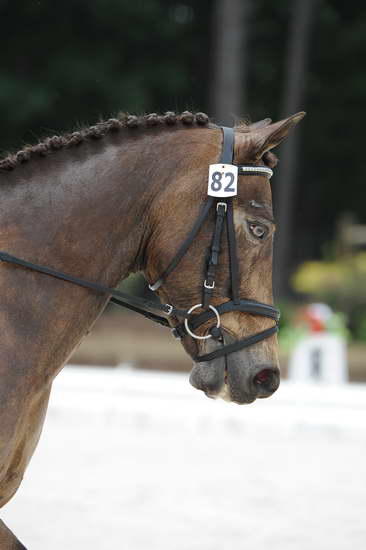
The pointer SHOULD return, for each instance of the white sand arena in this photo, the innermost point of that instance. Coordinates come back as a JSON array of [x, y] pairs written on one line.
[[133, 460]]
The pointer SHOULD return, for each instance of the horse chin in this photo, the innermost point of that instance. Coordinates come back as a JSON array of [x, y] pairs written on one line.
[[215, 388], [227, 394]]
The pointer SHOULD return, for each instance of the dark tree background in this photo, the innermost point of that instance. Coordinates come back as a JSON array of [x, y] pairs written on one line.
[[64, 64]]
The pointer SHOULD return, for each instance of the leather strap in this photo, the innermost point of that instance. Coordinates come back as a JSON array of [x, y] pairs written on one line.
[[227, 152], [233, 259], [213, 261], [119, 297], [185, 245], [245, 306], [236, 346], [148, 314]]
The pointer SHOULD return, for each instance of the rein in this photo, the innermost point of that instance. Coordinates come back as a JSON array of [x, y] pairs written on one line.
[[159, 312]]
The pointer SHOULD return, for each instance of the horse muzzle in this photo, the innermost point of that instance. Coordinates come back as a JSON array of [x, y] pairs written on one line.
[[240, 377]]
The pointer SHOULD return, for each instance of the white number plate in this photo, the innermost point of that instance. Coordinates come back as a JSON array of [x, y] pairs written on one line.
[[222, 180]]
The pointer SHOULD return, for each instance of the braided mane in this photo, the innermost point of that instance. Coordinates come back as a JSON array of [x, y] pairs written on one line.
[[99, 130]]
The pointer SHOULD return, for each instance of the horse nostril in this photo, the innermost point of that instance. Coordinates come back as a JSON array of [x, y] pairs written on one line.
[[266, 381]]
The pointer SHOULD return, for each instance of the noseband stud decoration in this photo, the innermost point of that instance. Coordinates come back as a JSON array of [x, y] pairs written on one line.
[[222, 186]]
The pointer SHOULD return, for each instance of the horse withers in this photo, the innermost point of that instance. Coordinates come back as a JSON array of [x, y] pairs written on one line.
[[115, 198]]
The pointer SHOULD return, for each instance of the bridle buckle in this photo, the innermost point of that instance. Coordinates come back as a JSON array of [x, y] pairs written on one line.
[[156, 285], [170, 309], [224, 204], [209, 287]]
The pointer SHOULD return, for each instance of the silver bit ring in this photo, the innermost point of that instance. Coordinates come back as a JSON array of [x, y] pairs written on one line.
[[207, 335]]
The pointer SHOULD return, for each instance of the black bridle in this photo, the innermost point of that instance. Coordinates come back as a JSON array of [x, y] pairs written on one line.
[[224, 210], [153, 311]]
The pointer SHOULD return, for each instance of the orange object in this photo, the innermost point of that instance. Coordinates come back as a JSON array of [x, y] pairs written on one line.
[[315, 322]]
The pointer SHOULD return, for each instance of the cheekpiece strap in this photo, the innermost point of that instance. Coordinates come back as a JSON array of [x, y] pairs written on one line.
[[227, 153]]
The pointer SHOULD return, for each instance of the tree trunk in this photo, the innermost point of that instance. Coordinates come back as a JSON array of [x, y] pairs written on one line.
[[293, 101], [230, 59]]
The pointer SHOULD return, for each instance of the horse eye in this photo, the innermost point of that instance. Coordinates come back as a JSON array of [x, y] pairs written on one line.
[[258, 230]]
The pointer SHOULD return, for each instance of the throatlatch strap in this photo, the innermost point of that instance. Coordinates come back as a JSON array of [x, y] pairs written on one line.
[[186, 244], [226, 157]]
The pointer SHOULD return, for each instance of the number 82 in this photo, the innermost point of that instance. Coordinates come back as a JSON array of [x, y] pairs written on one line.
[[216, 183]]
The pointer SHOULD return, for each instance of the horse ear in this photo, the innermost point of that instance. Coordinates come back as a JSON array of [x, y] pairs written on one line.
[[255, 143], [260, 124]]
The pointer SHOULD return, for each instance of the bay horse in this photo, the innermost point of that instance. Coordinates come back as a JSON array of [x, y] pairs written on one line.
[[116, 198]]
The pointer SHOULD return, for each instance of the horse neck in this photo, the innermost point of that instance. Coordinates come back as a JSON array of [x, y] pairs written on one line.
[[84, 212]]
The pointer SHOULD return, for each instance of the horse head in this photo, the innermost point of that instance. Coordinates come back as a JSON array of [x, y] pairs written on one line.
[[241, 374]]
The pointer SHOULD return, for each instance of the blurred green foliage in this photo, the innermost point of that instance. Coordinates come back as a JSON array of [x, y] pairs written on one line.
[[293, 327], [68, 63], [340, 283]]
